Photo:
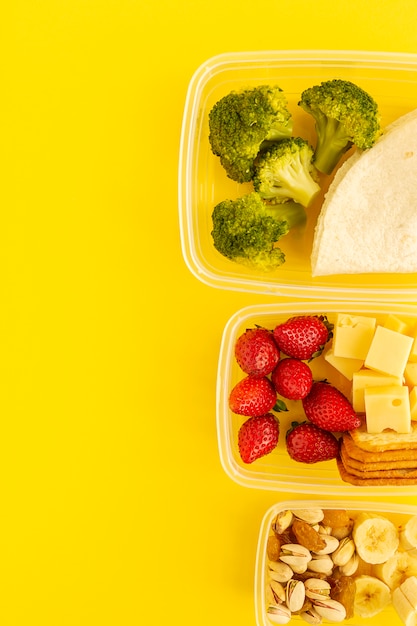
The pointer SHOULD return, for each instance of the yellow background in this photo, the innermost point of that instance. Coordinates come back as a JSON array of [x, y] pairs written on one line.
[[115, 510]]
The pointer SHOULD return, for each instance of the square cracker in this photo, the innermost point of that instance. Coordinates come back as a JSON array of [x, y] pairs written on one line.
[[347, 477], [391, 469], [407, 457], [387, 440]]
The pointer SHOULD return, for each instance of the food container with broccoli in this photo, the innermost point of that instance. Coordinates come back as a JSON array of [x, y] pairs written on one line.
[[270, 142]]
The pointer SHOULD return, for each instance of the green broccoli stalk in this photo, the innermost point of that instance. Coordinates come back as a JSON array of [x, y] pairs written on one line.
[[345, 115], [242, 122], [285, 172], [246, 230]]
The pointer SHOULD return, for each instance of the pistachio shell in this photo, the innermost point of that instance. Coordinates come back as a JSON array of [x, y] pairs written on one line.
[[312, 516], [282, 521], [344, 552], [295, 595], [317, 588], [331, 544], [280, 572], [278, 613], [331, 610]]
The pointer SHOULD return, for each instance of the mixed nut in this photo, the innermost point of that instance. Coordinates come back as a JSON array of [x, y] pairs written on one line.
[[310, 558]]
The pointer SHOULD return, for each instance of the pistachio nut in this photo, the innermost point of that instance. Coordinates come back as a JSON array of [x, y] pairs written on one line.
[[317, 588], [279, 571], [311, 616], [282, 521], [278, 613], [276, 592], [330, 610], [331, 544], [325, 530], [321, 563], [296, 556], [295, 595], [344, 551], [349, 569], [312, 516]]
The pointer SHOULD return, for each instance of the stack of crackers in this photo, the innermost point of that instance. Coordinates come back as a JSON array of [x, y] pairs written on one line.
[[387, 458]]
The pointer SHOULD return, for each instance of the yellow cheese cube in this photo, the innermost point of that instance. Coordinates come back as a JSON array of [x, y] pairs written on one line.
[[413, 354], [393, 322], [368, 378], [388, 407], [347, 367], [410, 374], [388, 352], [352, 335], [413, 404]]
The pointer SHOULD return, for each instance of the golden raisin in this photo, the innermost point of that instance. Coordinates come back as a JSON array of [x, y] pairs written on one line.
[[273, 547], [335, 518], [343, 590], [307, 536]]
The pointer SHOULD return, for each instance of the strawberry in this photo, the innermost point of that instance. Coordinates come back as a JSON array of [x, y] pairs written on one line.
[[292, 379], [252, 396], [307, 443], [303, 336], [257, 437], [328, 408], [256, 352]]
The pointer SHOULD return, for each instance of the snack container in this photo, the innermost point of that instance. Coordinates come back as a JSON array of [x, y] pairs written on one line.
[[397, 513], [277, 471], [391, 78]]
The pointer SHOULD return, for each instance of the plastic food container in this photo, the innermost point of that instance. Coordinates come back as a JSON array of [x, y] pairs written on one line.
[[395, 512], [390, 78], [277, 471]]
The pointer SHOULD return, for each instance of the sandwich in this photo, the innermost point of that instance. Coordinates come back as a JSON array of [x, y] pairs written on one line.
[[368, 220]]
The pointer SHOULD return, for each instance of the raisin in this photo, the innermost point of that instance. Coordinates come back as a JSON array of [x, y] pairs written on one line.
[[307, 536], [273, 548], [343, 590], [335, 518]]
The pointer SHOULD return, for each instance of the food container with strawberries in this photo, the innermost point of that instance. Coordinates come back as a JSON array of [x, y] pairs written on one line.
[[320, 397], [328, 561]]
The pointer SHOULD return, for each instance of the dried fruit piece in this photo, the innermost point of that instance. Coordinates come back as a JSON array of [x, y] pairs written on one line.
[[335, 518], [343, 590], [273, 547], [307, 536]]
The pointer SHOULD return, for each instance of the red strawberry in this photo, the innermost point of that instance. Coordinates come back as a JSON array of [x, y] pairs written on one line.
[[308, 443], [258, 436], [252, 396], [256, 352], [292, 379], [328, 408], [303, 336]]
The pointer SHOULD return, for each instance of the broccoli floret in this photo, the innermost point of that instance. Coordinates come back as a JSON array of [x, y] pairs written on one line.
[[246, 230], [285, 172], [240, 124], [345, 115]]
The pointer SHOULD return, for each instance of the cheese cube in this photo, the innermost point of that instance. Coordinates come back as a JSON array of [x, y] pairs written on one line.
[[410, 374], [393, 322], [347, 367], [413, 404], [413, 354], [388, 352], [368, 378], [388, 407], [352, 335]]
